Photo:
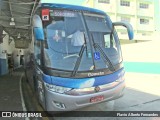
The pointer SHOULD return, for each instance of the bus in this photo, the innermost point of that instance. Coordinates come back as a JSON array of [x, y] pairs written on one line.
[[75, 59]]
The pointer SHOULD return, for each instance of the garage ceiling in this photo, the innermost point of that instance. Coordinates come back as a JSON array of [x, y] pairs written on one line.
[[15, 17]]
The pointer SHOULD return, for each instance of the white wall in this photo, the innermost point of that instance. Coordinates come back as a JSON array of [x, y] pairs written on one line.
[[145, 27], [135, 13], [5, 46], [130, 10], [9, 47], [111, 7]]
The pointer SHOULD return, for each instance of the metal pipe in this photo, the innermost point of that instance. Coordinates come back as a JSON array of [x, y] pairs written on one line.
[[10, 8], [20, 3], [33, 10]]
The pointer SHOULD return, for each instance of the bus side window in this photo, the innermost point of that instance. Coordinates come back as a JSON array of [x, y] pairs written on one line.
[[107, 41]]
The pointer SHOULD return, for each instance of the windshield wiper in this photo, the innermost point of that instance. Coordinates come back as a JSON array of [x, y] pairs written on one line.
[[78, 60], [110, 65], [83, 47]]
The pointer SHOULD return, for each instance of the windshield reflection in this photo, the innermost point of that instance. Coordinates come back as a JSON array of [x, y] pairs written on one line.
[[66, 38]]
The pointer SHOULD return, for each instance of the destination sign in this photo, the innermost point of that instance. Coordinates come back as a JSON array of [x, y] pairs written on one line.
[[62, 13]]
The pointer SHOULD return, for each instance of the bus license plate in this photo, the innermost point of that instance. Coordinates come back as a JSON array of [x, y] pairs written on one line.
[[97, 99]]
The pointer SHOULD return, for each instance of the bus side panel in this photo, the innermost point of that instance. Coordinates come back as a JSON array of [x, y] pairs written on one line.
[[29, 68]]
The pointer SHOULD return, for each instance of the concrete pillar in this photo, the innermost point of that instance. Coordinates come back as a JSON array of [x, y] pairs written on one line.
[[3, 57], [6, 47]]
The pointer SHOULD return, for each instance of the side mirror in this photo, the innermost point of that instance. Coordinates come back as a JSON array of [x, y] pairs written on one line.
[[128, 26], [38, 28], [38, 33]]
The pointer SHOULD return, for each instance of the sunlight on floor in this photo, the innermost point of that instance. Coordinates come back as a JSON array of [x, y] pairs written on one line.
[[148, 83]]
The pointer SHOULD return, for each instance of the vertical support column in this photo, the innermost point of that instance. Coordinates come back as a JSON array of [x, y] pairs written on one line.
[[3, 55], [3, 66], [136, 20], [116, 9]]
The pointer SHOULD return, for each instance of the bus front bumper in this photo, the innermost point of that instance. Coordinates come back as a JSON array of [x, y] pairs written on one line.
[[63, 102]]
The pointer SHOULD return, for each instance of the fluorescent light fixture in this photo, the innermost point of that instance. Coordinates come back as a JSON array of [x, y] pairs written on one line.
[[12, 23], [19, 35]]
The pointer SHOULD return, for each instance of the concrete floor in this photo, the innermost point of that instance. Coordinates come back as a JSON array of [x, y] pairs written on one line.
[[142, 52]]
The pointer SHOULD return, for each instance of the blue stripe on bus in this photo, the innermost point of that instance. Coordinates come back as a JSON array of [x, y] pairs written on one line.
[[39, 35], [47, 79], [84, 82]]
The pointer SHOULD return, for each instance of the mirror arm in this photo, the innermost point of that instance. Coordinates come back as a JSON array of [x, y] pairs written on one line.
[[38, 28], [126, 25]]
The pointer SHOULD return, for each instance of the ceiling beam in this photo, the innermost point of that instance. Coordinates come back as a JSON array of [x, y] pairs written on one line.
[[16, 12], [18, 24], [19, 3], [21, 7], [24, 17], [12, 29], [22, 11]]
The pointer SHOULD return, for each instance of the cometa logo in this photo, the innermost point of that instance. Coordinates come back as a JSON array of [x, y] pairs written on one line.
[[97, 89], [95, 74]]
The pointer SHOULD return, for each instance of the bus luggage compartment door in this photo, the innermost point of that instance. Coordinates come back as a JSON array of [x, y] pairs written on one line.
[[40, 88]]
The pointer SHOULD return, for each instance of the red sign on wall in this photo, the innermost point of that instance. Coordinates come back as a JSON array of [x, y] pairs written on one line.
[[45, 14]]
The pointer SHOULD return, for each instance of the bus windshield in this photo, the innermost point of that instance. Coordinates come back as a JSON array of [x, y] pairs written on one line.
[[80, 42]]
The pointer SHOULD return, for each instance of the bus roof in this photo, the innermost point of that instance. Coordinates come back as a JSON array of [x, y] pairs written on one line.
[[71, 7]]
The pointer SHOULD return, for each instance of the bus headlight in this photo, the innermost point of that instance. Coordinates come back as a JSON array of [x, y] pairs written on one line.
[[120, 79], [58, 89]]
